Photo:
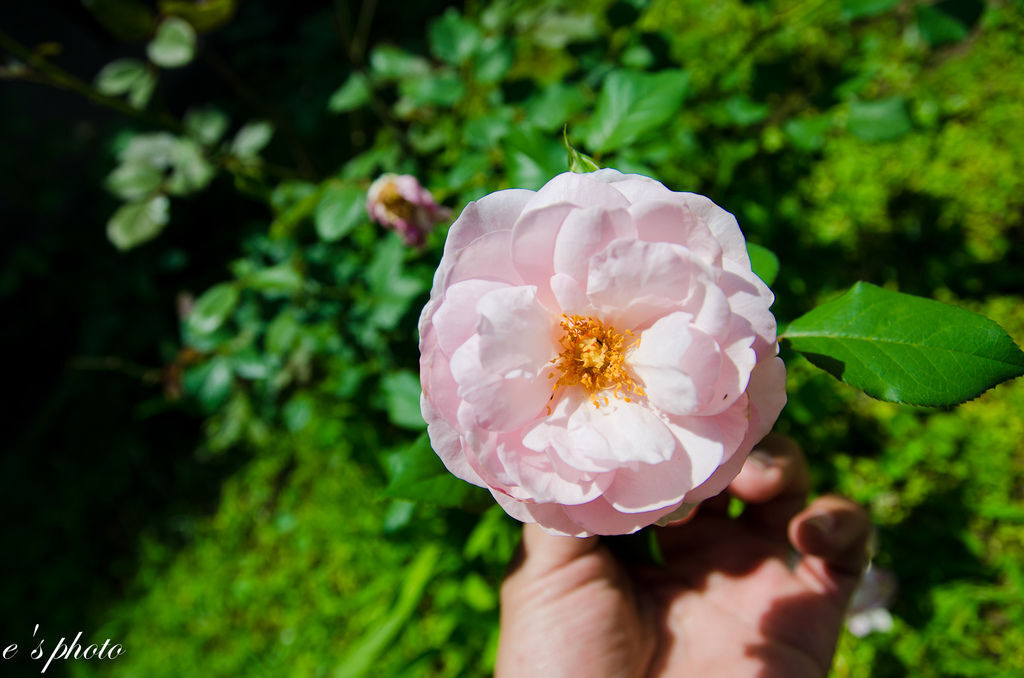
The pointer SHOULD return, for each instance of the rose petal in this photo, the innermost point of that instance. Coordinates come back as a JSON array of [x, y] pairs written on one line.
[[493, 402], [585, 232], [634, 282], [658, 362], [633, 433], [600, 517], [485, 258], [451, 321], [665, 221], [448, 445], [495, 212], [579, 189], [516, 333], [648, 487]]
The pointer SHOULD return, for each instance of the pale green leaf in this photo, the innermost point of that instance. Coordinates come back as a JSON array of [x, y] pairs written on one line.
[[252, 139], [174, 44], [206, 125], [137, 222], [904, 348], [119, 76]]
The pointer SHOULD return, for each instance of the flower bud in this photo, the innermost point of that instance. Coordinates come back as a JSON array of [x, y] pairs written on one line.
[[398, 201]]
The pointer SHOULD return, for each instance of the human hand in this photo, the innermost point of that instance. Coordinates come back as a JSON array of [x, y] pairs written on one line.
[[733, 598]]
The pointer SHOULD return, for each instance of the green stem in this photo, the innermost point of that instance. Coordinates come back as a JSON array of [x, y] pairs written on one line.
[[55, 76]]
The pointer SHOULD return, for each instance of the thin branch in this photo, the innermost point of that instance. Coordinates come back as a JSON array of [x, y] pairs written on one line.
[[223, 70], [50, 74]]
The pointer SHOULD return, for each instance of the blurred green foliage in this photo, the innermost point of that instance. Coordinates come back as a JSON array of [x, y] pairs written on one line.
[[862, 139]]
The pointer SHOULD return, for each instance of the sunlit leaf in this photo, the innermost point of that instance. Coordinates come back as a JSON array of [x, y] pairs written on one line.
[[402, 397], [856, 9], [416, 473], [904, 348], [764, 262], [578, 162], [633, 103], [882, 120]]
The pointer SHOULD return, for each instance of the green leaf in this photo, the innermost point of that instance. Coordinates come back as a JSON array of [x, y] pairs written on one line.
[[554, 106], [856, 9], [392, 63], [128, 20], [252, 139], [192, 172], [488, 130], [742, 111], [364, 655], [354, 93], [213, 308], [341, 208], [532, 157], [206, 125], [632, 104], [906, 349], [210, 382], [280, 279], [174, 44], [764, 262], [134, 181], [453, 38], [142, 90], [882, 120], [807, 134], [494, 59], [443, 89], [937, 27], [402, 397], [118, 77], [578, 162], [416, 473], [137, 222]]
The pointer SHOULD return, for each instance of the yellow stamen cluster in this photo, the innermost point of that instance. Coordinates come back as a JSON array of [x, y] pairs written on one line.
[[593, 357], [395, 203]]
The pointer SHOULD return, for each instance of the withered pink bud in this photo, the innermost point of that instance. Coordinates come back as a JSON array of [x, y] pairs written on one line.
[[398, 201]]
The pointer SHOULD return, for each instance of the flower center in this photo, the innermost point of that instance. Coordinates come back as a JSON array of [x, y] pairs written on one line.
[[393, 202], [594, 357]]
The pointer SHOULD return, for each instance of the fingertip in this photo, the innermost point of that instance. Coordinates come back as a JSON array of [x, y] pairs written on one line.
[[834, 529]]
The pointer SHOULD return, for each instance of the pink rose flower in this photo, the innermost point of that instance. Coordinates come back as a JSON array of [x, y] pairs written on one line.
[[598, 354], [398, 201]]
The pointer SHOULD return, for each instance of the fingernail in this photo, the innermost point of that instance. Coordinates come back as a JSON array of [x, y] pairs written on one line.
[[763, 459], [823, 524]]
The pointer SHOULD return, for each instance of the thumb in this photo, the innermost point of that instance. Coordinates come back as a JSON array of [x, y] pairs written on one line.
[[541, 553]]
